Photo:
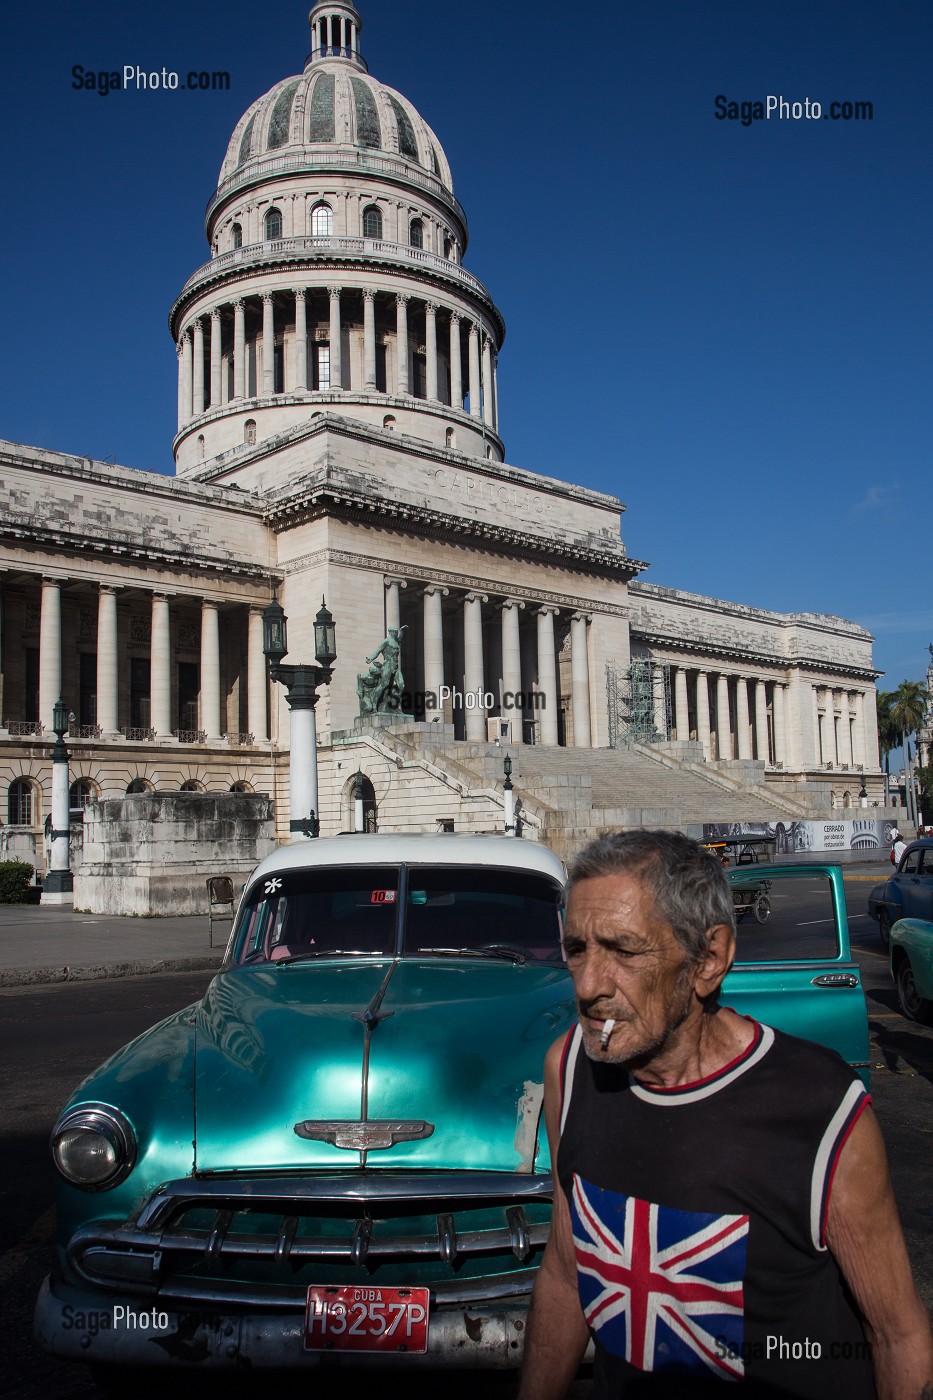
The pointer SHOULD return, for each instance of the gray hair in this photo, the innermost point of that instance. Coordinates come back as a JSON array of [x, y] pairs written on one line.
[[689, 887]]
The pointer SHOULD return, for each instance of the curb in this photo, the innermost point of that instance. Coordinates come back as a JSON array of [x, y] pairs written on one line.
[[142, 967]]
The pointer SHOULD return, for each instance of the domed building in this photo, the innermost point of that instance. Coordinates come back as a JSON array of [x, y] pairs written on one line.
[[338, 436]]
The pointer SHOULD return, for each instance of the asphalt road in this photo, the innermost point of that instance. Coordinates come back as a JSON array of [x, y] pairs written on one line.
[[51, 1036]]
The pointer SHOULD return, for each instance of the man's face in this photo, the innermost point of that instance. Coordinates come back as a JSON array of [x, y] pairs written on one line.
[[628, 966]]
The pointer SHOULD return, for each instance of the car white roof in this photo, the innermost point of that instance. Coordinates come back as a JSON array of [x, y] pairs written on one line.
[[449, 848]]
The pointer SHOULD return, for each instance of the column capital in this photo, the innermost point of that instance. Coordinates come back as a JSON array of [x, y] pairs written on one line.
[[369, 294], [299, 293], [215, 313], [395, 582], [238, 303], [510, 603], [545, 609], [474, 597], [581, 617], [474, 330], [185, 336], [197, 323], [456, 317], [210, 603], [180, 347], [107, 588], [402, 298], [334, 293], [267, 296], [431, 588], [430, 308]]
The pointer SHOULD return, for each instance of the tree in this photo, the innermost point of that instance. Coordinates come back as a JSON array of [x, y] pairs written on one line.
[[888, 735], [908, 708]]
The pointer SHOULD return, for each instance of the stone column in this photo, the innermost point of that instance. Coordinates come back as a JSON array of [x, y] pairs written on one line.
[[301, 341], [239, 350], [434, 641], [256, 684], [761, 723], [495, 392], [182, 388], [512, 665], [160, 668], [456, 371], [107, 705], [742, 722], [336, 359], [831, 741], [473, 677], [268, 344], [186, 377], [401, 344], [215, 358], [430, 341], [197, 391], [210, 670], [547, 678], [474, 371], [681, 704], [487, 382], [780, 741], [703, 733], [858, 742], [393, 602], [580, 680], [50, 650], [723, 734], [369, 340]]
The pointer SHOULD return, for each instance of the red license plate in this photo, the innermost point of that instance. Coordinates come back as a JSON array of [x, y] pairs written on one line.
[[352, 1318]]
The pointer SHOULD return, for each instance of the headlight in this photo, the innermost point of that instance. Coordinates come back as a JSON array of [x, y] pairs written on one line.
[[93, 1147]]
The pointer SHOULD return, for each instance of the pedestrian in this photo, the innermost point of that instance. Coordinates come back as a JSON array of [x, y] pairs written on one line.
[[898, 847], [723, 1210]]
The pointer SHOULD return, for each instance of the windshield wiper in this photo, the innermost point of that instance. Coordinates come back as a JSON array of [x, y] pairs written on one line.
[[328, 953], [492, 951]]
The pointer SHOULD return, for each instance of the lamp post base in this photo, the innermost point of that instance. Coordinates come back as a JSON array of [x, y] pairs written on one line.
[[58, 888]]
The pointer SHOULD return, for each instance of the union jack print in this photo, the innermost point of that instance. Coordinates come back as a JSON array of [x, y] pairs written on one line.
[[661, 1287]]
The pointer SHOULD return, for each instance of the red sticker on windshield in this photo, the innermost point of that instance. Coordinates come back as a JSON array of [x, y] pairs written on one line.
[[383, 897]]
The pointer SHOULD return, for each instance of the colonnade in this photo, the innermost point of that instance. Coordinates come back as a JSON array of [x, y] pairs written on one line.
[[161, 658], [211, 341], [527, 686]]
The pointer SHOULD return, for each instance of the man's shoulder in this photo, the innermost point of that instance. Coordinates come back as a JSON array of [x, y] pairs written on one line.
[[793, 1055]]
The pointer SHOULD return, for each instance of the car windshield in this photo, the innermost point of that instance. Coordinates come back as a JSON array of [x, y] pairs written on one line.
[[298, 915]]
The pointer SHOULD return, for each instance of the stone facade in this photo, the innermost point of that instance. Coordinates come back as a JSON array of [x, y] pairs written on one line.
[[338, 436]]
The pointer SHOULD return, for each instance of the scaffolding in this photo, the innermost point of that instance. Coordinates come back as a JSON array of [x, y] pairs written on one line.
[[639, 697]]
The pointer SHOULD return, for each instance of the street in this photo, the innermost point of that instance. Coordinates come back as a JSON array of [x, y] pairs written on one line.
[[53, 1035]]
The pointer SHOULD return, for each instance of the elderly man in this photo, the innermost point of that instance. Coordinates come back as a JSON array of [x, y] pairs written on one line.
[[724, 1211]]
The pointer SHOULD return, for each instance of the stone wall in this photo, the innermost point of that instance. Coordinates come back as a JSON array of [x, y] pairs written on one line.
[[152, 852]]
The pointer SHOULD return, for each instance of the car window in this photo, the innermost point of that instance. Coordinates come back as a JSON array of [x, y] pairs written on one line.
[[474, 909], [779, 918], [910, 864], [309, 913], [926, 865]]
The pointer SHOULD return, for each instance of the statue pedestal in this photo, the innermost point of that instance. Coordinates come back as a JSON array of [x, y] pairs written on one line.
[[381, 721]]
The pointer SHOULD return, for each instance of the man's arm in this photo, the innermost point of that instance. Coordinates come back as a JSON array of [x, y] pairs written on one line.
[[557, 1332], [864, 1234]]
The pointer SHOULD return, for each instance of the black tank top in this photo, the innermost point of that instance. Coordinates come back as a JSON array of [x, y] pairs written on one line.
[[698, 1219]]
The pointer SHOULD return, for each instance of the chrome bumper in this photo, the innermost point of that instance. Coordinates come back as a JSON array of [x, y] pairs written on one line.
[[81, 1325]]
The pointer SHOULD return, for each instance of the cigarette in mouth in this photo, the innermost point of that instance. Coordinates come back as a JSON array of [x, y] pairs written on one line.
[[605, 1034]]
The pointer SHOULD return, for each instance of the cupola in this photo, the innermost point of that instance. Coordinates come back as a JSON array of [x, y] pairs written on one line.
[[335, 33]]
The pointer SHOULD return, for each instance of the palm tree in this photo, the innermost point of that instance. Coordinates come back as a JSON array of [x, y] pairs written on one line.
[[908, 708], [888, 736]]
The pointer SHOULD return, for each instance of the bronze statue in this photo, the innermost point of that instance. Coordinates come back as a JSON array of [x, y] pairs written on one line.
[[380, 688]]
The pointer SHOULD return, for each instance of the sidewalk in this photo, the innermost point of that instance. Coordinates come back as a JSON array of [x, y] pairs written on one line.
[[58, 945]]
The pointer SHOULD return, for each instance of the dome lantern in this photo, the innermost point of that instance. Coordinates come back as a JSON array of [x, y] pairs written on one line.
[[335, 33]]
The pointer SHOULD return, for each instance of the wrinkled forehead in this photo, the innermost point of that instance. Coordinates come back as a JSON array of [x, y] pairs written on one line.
[[614, 904]]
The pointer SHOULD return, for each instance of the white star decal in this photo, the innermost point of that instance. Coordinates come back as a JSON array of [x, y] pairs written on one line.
[[272, 885]]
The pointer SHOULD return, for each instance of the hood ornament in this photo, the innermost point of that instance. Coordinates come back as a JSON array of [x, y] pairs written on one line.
[[364, 1135]]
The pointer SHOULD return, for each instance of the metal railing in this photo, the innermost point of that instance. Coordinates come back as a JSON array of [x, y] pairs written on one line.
[[190, 736], [335, 245], [136, 733], [84, 731], [245, 740], [22, 728]]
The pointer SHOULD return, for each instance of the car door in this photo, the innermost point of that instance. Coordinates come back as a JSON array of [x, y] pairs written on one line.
[[915, 880], [795, 970]]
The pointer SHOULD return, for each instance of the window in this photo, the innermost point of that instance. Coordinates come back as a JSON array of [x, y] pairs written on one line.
[[241, 786], [273, 224], [87, 687], [192, 785], [139, 692], [388, 422], [448, 250], [237, 236], [372, 222], [79, 795], [322, 221], [249, 431], [322, 367], [416, 233], [200, 447], [139, 785], [450, 438], [19, 803]]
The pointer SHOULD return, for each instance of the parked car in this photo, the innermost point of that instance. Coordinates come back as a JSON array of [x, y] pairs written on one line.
[[340, 1149], [907, 893], [912, 968]]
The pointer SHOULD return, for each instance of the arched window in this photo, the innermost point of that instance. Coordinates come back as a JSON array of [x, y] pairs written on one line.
[[372, 222], [249, 432], [273, 224], [139, 785], [416, 233], [388, 422], [201, 446], [241, 786], [192, 785], [19, 803], [451, 438], [237, 236], [322, 221], [367, 793], [81, 792]]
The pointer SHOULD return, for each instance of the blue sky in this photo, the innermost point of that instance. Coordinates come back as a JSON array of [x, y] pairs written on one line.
[[727, 326]]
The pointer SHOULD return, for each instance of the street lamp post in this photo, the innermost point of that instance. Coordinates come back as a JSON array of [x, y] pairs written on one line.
[[358, 804], [301, 694], [509, 797], [58, 885]]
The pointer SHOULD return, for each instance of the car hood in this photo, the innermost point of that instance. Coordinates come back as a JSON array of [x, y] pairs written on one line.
[[457, 1044]]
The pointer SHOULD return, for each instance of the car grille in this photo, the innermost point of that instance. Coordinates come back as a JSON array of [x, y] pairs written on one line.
[[261, 1241]]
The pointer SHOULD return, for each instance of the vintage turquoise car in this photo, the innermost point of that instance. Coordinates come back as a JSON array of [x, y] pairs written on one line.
[[340, 1149], [912, 968], [907, 893]]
